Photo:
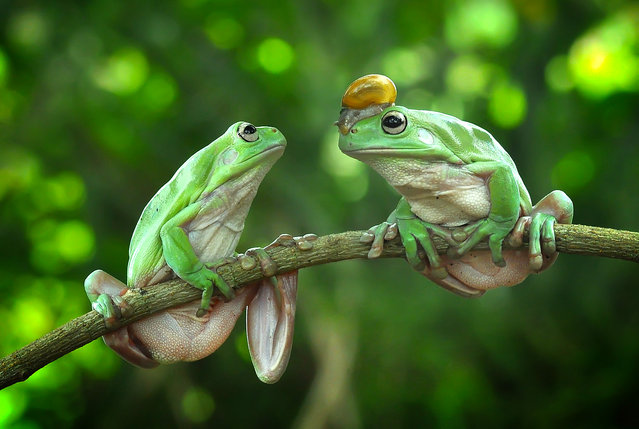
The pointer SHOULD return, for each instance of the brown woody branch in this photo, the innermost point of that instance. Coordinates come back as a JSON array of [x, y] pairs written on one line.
[[19, 365]]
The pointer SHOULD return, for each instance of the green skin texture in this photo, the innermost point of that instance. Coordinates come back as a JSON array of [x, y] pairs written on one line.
[[159, 238], [459, 144], [208, 198]]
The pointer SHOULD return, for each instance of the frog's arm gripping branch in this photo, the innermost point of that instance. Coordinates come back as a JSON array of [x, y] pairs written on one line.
[[19, 365]]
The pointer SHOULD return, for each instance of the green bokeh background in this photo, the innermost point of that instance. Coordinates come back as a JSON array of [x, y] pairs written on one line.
[[101, 101]]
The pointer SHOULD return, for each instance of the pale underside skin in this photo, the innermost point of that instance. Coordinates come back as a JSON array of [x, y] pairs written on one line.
[[438, 192], [177, 334], [450, 196], [267, 330], [456, 182]]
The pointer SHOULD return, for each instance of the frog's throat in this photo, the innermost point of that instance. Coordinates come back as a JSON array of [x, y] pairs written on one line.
[[349, 117], [268, 155]]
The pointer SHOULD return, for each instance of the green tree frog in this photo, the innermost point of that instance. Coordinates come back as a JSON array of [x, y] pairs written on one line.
[[192, 224], [456, 182]]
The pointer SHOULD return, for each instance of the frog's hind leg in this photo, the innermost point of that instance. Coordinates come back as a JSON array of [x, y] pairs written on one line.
[[474, 273], [270, 319], [555, 207], [105, 293], [453, 285]]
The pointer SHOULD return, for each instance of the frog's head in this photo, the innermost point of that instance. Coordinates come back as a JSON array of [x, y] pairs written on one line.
[[365, 97], [397, 133], [245, 146]]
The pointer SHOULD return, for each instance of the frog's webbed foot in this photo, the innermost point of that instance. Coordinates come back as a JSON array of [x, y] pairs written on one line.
[[105, 293], [554, 207], [495, 230], [415, 232], [208, 279], [258, 255], [270, 316], [376, 235]]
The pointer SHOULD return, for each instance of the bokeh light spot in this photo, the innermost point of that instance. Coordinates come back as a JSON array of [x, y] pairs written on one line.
[[12, 404], [64, 191], [605, 59], [100, 360], [467, 75], [490, 23], [408, 66], [558, 75], [450, 104], [507, 105], [574, 171], [56, 374], [224, 32], [28, 29], [31, 317], [74, 241], [123, 73], [198, 405], [18, 170], [275, 55], [159, 92]]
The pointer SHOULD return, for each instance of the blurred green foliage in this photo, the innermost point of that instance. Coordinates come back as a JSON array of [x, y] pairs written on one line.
[[101, 101]]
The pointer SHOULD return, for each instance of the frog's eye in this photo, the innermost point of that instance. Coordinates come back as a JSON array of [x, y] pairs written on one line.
[[394, 122], [248, 132]]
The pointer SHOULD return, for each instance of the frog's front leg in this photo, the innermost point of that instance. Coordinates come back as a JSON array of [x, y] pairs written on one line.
[[270, 316], [105, 293], [414, 233], [503, 214], [180, 256], [554, 207]]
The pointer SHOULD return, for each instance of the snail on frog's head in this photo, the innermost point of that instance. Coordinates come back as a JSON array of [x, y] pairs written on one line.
[[365, 97]]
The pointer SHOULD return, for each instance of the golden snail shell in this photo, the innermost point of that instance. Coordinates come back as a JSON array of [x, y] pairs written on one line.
[[368, 90]]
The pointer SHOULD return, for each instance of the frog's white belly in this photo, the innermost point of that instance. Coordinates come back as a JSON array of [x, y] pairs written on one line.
[[438, 192], [216, 241], [215, 231], [213, 234]]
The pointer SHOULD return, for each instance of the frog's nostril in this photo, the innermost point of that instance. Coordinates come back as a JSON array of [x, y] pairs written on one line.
[[354, 130], [274, 130]]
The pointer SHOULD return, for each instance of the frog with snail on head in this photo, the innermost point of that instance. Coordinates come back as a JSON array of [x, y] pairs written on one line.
[[457, 183], [190, 226]]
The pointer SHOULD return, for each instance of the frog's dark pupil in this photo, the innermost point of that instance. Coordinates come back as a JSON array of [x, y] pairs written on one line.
[[393, 121], [250, 129]]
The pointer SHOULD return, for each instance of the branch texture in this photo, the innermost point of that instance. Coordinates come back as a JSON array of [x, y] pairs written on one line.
[[19, 365]]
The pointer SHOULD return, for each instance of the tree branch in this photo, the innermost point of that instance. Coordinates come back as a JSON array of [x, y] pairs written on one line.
[[19, 365]]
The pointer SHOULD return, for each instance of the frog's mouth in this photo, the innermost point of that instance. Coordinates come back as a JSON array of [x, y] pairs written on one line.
[[267, 152], [274, 151], [383, 152]]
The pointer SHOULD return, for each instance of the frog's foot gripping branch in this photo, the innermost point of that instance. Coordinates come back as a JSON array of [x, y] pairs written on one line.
[[270, 305], [468, 272], [105, 293], [556, 207], [270, 315]]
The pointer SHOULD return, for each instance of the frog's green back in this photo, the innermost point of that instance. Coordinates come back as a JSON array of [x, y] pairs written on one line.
[[185, 187], [471, 144]]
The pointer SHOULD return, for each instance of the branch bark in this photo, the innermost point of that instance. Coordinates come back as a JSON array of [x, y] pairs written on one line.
[[19, 365]]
